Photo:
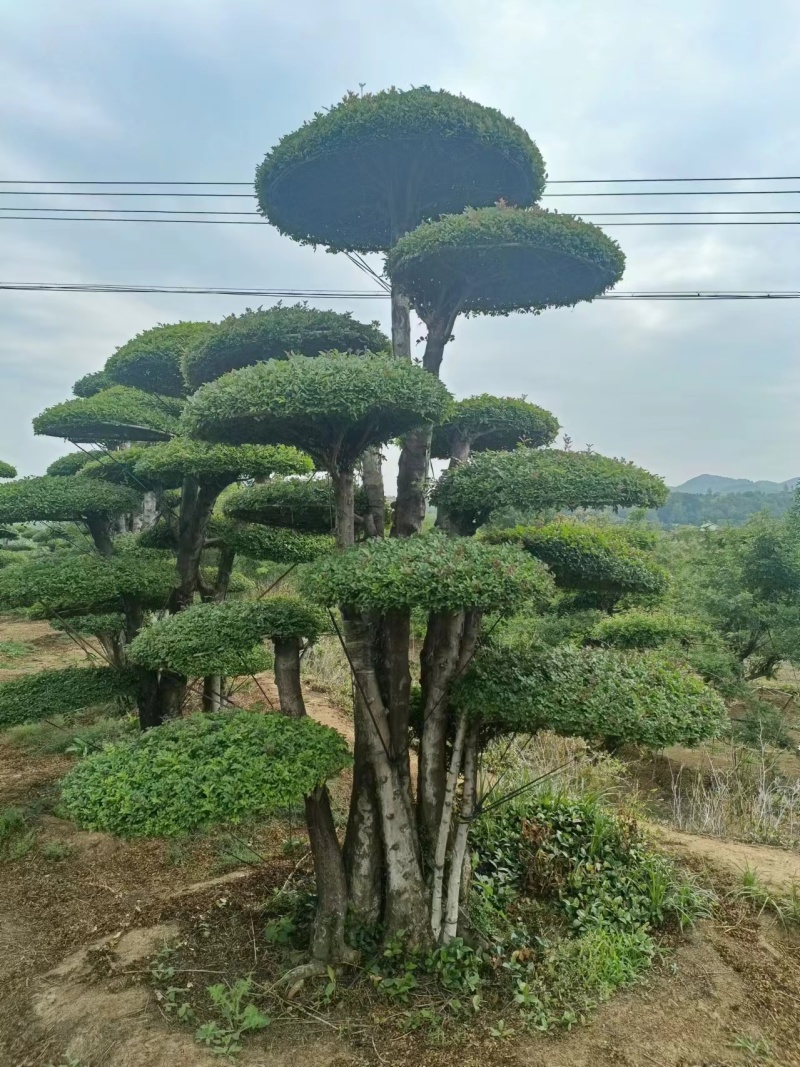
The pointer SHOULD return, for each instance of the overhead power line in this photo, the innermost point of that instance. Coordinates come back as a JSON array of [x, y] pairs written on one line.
[[246, 222], [551, 181], [373, 294], [249, 214], [250, 196]]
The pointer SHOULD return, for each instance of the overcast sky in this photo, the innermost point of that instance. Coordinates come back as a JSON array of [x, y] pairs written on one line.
[[201, 89]]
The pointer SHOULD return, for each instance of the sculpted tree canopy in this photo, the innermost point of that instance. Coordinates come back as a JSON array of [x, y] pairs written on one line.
[[113, 415], [6, 470], [374, 166], [91, 383], [257, 336], [72, 462], [333, 406], [494, 424], [55, 499], [304, 505], [152, 361], [542, 479]]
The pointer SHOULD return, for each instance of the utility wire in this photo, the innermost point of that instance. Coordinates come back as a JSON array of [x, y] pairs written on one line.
[[550, 181], [250, 196], [243, 222], [341, 294], [357, 260]]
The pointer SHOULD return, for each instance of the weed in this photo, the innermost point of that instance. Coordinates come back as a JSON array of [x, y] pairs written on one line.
[[325, 668], [759, 896], [755, 1048], [61, 734], [16, 840], [57, 851], [13, 650], [68, 1060], [238, 1015], [172, 999]]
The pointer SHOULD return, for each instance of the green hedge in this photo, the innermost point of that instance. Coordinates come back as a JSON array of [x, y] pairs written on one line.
[[431, 572], [206, 769], [85, 583], [113, 415], [493, 423], [642, 629], [332, 406], [151, 361], [33, 697], [273, 544], [377, 164], [586, 557], [55, 499], [305, 505], [220, 638], [634, 698], [538, 480], [256, 336], [495, 260]]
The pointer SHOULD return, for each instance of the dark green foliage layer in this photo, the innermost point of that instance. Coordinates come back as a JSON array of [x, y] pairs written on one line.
[[493, 423], [87, 583], [65, 466], [55, 499], [638, 698], [272, 544], [151, 361], [496, 260], [206, 769], [430, 572], [112, 416], [256, 336], [585, 557], [541, 479], [120, 466], [89, 625], [32, 697], [170, 461], [212, 638], [333, 406], [644, 629], [91, 383], [6, 470], [302, 504], [363, 172]]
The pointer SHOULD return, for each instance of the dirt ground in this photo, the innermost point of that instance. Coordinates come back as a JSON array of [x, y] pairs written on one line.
[[76, 933]]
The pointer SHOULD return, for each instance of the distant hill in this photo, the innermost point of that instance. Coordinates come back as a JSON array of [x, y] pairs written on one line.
[[715, 483]]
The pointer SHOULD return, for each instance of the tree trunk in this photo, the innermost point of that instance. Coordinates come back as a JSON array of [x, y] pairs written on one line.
[[100, 529], [401, 325], [459, 850], [439, 661], [327, 943], [344, 498], [443, 833], [212, 692], [197, 503], [372, 475], [149, 510], [363, 847]]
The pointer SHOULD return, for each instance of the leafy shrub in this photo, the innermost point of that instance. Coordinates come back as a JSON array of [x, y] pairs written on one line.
[[114, 415], [170, 461], [641, 629], [7, 470], [151, 361], [221, 638], [540, 479], [206, 769], [273, 543], [430, 571], [306, 505], [634, 698], [73, 734], [38, 696], [91, 625], [63, 499], [493, 423]]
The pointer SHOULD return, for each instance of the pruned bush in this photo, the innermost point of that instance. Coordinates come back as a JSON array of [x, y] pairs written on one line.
[[7, 470], [111, 623], [151, 361], [221, 638], [306, 505], [65, 466], [169, 462], [55, 499], [431, 572], [207, 769], [493, 423], [538, 480], [273, 544], [634, 698], [113, 415], [32, 697], [642, 629]]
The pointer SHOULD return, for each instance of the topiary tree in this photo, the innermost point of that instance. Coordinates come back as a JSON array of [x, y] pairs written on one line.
[[491, 424], [7, 471], [153, 361]]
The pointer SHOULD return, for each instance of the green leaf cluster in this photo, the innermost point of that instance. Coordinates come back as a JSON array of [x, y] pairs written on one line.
[[112, 623], [256, 336], [305, 505], [213, 638], [585, 557], [6, 470], [206, 769], [361, 173], [431, 572], [333, 406], [633, 698], [151, 361], [539, 480], [66, 466], [51, 498], [32, 697], [119, 468], [171, 461], [91, 383], [493, 423], [113, 415], [85, 583], [495, 260], [275, 544], [645, 629]]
